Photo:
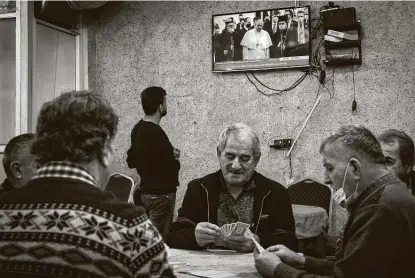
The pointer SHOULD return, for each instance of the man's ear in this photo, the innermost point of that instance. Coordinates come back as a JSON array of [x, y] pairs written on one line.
[[105, 156], [16, 169], [257, 157], [408, 169], [356, 168]]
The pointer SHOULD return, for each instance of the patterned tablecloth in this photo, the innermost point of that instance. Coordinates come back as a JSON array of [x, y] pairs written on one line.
[[309, 221], [225, 262]]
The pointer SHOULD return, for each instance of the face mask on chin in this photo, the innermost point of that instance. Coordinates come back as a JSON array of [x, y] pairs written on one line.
[[340, 196]]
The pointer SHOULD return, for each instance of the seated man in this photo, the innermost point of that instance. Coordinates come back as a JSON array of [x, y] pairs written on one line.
[[234, 193], [379, 238], [398, 149], [18, 162], [62, 224]]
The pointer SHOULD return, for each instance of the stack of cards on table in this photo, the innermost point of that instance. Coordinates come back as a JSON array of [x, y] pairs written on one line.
[[234, 229]]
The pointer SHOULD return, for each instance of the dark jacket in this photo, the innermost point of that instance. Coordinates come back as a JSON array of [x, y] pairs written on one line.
[[6, 186], [225, 41], [273, 219], [379, 238]]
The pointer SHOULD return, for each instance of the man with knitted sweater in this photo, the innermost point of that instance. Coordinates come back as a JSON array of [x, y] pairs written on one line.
[[379, 238], [62, 223]]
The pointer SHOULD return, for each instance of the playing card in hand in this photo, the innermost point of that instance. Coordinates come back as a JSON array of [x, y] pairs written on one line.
[[234, 229], [239, 229]]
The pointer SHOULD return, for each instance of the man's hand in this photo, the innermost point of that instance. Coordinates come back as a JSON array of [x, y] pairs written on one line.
[[242, 244], [206, 233], [288, 256], [176, 153], [266, 263]]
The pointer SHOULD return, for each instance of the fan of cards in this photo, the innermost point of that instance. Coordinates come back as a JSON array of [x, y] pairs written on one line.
[[239, 229], [234, 229]]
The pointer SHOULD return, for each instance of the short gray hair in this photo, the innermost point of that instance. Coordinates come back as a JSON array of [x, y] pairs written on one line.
[[242, 131], [359, 142], [16, 150]]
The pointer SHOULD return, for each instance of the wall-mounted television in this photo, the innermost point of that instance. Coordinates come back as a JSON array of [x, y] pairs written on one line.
[[261, 40]]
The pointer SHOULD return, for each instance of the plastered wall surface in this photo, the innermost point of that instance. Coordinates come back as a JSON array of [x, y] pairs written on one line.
[[133, 45]]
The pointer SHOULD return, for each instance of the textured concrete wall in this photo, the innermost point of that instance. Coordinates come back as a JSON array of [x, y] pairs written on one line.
[[137, 44]]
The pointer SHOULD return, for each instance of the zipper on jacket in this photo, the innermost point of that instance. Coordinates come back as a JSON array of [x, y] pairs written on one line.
[[260, 212], [207, 201]]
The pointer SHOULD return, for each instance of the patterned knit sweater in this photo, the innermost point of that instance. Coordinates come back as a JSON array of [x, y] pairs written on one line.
[[62, 225]]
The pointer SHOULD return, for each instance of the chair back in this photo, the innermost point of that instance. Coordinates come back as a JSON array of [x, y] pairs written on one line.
[[309, 192], [121, 186]]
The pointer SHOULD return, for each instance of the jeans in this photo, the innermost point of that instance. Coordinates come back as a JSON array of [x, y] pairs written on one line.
[[160, 209]]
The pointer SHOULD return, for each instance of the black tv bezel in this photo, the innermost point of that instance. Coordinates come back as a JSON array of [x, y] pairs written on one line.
[[264, 68]]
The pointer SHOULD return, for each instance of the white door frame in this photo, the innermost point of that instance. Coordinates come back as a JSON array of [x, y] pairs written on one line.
[[25, 60]]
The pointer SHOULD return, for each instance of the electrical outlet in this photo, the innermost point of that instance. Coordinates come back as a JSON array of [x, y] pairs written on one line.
[[282, 144]]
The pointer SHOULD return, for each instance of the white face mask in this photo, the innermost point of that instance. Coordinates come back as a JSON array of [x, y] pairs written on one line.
[[340, 196]]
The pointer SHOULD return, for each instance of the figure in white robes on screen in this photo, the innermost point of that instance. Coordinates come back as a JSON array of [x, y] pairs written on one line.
[[256, 43]]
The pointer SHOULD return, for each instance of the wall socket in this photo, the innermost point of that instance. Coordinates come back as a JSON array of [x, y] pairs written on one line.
[[282, 144]]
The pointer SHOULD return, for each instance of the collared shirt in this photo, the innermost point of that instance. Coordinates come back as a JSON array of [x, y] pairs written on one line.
[[231, 210], [65, 170]]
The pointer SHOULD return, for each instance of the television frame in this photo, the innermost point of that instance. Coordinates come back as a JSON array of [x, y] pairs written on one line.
[[260, 64]]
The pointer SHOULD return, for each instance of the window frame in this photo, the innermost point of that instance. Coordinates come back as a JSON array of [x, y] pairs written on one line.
[[25, 58]]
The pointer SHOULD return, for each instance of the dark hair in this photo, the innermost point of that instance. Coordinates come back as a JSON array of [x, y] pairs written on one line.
[[358, 141], [151, 98], [290, 11], [406, 144], [75, 127], [17, 148]]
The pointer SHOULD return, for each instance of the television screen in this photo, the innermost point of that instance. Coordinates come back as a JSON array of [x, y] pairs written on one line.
[[261, 40]]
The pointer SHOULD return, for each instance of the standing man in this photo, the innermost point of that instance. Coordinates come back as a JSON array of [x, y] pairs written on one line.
[[226, 42], [256, 42], [398, 149], [156, 160]]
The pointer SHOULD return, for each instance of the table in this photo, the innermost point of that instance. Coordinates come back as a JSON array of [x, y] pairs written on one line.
[[238, 264], [310, 221]]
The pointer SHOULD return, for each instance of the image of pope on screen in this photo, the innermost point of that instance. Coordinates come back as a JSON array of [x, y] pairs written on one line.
[[260, 40]]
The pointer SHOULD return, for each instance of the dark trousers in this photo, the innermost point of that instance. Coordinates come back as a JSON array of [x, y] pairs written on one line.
[[160, 209]]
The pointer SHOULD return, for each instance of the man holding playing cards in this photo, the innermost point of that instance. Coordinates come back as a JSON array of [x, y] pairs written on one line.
[[379, 238], [236, 207]]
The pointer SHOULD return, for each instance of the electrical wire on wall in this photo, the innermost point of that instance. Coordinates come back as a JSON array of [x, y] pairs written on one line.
[[354, 103], [315, 66]]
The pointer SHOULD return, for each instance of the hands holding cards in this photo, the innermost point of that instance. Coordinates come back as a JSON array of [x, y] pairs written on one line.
[[234, 229], [268, 260], [235, 236]]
